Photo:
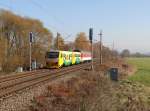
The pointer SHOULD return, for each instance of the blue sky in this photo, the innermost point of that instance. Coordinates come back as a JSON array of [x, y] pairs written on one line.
[[126, 22]]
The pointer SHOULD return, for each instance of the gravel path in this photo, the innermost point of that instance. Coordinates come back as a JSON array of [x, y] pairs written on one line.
[[21, 100]]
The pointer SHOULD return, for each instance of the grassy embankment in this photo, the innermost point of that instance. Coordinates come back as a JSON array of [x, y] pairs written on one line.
[[92, 92], [142, 74]]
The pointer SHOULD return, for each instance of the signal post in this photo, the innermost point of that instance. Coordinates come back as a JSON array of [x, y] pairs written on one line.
[[91, 40], [30, 42]]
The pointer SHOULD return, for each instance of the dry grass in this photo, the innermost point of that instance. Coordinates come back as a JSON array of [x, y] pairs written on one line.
[[93, 92]]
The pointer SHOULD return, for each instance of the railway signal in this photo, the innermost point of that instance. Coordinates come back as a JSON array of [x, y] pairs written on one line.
[[91, 40], [30, 41], [101, 46], [31, 37], [91, 34]]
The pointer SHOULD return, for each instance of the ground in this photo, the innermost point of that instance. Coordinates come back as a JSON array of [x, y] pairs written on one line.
[[142, 75], [93, 91]]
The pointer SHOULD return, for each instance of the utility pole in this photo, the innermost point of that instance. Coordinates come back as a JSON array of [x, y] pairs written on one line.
[[57, 41], [101, 61], [58, 45], [101, 47], [113, 46]]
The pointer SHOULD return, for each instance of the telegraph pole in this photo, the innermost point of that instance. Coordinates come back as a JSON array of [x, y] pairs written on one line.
[[101, 61], [58, 40], [101, 47], [113, 46]]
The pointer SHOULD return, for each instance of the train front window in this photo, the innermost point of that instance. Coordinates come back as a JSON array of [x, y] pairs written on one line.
[[52, 54]]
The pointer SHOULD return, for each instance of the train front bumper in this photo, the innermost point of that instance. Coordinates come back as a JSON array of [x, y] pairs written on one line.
[[52, 65]]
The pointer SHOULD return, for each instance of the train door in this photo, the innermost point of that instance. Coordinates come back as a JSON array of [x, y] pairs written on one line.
[[73, 58], [61, 61]]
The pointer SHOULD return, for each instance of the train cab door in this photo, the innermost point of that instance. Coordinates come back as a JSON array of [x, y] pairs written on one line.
[[73, 58], [61, 59]]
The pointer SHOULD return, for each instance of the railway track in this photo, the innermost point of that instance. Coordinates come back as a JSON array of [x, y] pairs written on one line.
[[14, 83], [21, 75]]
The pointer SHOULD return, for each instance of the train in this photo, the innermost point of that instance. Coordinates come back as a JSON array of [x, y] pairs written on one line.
[[58, 58]]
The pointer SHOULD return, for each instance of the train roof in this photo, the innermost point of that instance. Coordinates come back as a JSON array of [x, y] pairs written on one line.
[[69, 51]]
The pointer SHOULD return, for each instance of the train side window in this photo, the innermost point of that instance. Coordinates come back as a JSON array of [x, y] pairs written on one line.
[[65, 56]]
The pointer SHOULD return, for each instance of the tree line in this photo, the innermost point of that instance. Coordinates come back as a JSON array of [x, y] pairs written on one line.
[[14, 42], [127, 53]]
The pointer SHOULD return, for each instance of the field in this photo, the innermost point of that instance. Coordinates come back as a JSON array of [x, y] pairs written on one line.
[[142, 74]]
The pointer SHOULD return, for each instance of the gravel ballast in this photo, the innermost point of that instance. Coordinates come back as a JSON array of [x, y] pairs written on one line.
[[21, 100]]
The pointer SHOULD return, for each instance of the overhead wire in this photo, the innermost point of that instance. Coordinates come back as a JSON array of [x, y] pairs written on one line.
[[52, 16], [10, 7], [4, 6], [44, 9]]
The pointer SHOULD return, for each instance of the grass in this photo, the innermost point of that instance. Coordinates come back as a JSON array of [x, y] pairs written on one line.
[[92, 92], [143, 70]]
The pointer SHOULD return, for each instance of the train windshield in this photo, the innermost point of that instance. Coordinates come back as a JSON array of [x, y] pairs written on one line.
[[52, 54]]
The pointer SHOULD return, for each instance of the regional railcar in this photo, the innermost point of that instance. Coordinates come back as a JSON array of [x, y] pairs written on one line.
[[57, 59], [86, 56]]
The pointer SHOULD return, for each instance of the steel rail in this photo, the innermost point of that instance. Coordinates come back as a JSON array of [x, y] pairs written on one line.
[[20, 75], [25, 74], [8, 89], [15, 81]]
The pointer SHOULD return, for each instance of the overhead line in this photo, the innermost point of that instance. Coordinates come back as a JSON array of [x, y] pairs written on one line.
[[4, 6], [44, 9]]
